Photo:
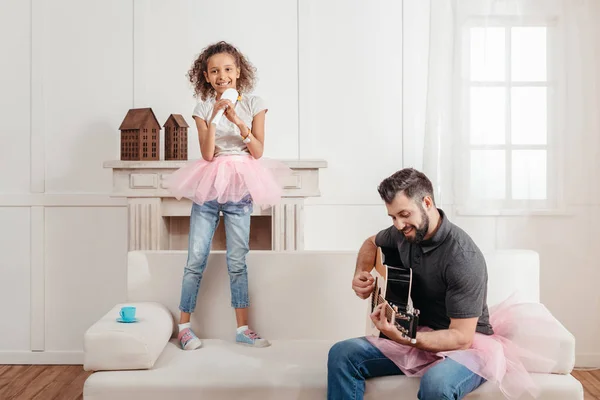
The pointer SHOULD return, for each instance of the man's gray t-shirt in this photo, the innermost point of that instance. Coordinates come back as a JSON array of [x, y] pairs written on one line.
[[449, 275]]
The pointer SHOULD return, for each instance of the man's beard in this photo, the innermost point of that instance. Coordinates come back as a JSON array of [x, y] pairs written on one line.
[[421, 231]]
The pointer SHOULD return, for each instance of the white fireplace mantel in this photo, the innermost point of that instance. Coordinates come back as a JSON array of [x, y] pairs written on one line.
[[151, 206]]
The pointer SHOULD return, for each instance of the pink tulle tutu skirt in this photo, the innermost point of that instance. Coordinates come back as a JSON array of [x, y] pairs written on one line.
[[230, 178], [524, 341]]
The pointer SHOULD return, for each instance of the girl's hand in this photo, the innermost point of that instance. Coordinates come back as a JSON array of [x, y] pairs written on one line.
[[231, 114], [219, 105]]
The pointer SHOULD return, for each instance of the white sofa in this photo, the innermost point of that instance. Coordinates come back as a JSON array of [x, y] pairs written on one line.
[[301, 301]]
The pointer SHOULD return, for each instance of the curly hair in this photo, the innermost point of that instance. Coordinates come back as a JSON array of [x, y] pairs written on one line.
[[204, 89]]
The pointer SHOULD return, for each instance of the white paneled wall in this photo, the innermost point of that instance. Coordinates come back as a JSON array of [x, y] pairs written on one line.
[[15, 51], [351, 95], [332, 73], [415, 45], [15, 222], [342, 227], [350, 57], [65, 89], [84, 270], [87, 87], [14, 279]]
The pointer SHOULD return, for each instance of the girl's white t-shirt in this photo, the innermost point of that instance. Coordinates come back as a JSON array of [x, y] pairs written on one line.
[[227, 135]]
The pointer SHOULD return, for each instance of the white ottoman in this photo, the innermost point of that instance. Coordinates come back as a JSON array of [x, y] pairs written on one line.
[[111, 345]]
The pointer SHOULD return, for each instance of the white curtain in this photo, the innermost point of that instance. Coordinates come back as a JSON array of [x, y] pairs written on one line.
[[511, 118]]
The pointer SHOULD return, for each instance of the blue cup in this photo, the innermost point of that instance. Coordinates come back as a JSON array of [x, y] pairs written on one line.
[[127, 313]]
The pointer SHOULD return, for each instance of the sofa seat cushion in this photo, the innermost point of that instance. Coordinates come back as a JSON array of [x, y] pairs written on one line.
[[286, 370]]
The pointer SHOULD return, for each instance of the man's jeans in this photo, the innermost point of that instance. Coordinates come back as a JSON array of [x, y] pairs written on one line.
[[352, 361], [203, 222]]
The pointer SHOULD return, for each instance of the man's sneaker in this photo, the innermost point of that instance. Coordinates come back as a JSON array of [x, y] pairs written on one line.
[[188, 340], [251, 338]]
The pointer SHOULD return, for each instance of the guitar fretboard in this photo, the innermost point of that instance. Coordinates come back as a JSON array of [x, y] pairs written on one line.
[[388, 309], [388, 314]]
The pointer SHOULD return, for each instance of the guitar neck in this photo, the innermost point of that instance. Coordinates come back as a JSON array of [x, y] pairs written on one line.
[[388, 309]]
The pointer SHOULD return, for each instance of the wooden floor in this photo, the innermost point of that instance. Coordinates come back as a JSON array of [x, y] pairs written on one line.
[[591, 383], [42, 382], [65, 382]]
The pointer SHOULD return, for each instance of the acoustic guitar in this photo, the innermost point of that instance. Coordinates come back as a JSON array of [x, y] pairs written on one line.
[[393, 286]]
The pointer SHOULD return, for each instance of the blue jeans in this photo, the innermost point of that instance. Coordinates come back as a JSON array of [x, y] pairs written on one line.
[[352, 361], [203, 223]]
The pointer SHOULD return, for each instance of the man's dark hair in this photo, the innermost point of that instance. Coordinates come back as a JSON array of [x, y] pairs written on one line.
[[413, 183]]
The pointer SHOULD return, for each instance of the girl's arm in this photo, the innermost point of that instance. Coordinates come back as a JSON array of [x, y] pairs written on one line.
[[206, 138], [257, 136], [206, 132]]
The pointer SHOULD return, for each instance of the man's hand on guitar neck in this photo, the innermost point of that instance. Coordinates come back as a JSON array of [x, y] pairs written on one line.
[[458, 336], [381, 322]]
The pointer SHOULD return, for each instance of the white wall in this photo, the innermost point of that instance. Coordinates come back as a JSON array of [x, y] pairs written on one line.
[[62, 238], [350, 114], [332, 73]]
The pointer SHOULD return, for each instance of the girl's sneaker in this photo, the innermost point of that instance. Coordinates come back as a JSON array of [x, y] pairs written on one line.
[[251, 338], [188, 340]]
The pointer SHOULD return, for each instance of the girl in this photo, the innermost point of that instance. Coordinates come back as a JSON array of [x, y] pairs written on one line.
[[230, 178]]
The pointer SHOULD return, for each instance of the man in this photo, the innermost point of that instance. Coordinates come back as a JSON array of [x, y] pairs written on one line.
[[449, 289]]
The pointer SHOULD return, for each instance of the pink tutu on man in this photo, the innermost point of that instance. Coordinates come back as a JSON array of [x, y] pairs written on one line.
[[523, 342], [230, 178]]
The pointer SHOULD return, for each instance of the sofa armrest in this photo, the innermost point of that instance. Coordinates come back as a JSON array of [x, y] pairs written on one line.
[[111, 345], [539, 332]]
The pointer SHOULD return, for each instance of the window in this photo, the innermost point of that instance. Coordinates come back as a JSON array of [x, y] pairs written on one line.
[[508, 126]]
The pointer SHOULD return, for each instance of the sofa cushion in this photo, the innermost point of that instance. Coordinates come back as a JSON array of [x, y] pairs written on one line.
[[286, 370], [111, 345]]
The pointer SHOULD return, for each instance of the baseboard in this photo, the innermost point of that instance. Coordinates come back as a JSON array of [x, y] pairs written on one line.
[[587, 360], [42, 357]]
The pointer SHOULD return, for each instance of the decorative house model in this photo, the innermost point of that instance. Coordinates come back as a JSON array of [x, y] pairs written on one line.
[[176, 138], [140, 133]]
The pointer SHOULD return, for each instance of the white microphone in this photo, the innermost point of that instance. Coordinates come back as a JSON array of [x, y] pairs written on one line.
[[229, 94]]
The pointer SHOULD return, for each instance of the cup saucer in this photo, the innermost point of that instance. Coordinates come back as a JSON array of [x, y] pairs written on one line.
[[126, 321]]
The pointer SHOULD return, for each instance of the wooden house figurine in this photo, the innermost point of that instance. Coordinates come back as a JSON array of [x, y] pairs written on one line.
[[176, 138], [140, 135]]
